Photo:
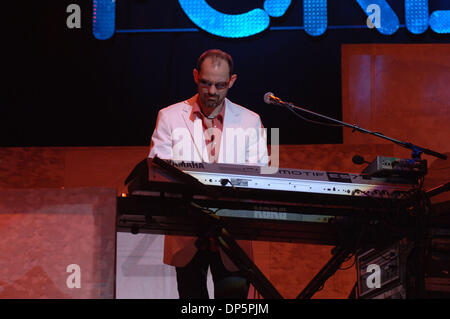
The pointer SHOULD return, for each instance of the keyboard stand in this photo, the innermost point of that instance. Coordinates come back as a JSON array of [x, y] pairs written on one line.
[[339, 256], [236, 254], [214, 229]]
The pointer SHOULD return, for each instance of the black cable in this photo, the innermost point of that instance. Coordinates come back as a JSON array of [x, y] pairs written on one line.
[[224, 182], [353, 263], [236, 190], [314, 122]]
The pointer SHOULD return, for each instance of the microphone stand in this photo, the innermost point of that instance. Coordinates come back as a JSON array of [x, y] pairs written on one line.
[[416, 150], [420, 240]]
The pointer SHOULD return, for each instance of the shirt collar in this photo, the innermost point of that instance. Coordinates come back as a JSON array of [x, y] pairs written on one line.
[[197, 111]]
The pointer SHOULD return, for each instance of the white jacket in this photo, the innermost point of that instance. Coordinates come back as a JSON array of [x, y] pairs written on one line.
[[179, 135]]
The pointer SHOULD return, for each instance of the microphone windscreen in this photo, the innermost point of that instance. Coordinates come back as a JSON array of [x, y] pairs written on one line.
[[358, 160], [267, 97]]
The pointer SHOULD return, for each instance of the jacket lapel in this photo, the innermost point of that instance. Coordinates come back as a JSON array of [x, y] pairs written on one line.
[[194, 125], [231, 120]]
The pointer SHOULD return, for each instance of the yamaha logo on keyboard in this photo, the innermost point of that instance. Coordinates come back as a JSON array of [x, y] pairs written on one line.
[[184, 164]]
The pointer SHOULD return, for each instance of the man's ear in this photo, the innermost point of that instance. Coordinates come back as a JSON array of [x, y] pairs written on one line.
[[195, 73], [232, 80]]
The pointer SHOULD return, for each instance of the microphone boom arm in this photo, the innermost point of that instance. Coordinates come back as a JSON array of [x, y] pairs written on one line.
[[416, 150]]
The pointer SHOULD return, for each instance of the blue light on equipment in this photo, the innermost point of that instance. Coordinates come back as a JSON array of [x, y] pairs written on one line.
[[389, 23], [103, 20], [440, 21], [225, 25], [416, 16], [276, 8], [315, 16]]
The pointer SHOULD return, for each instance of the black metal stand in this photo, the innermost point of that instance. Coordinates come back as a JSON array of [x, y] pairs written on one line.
[[326, 272], [438, 190], [213, 226], [237, 255], [215, 229], [246, 265]]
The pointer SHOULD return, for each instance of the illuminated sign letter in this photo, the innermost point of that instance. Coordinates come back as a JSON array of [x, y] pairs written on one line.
[[440, 21], [315, 17], [104, 19], [225, 25], [416, 15], [417, 18], [276, 8]]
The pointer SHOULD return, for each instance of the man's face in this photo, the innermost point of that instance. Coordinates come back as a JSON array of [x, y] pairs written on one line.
[[213, 82]]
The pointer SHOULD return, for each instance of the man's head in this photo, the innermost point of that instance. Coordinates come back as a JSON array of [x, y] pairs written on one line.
[[214, 77]]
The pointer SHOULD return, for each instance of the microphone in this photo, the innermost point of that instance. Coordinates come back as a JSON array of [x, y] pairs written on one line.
[[357, 159], [269, 98]]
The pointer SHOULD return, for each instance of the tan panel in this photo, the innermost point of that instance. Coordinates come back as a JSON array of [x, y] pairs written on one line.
[[45, 231], [398, 90], [403, 93], [101, 166], [31, 167]]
